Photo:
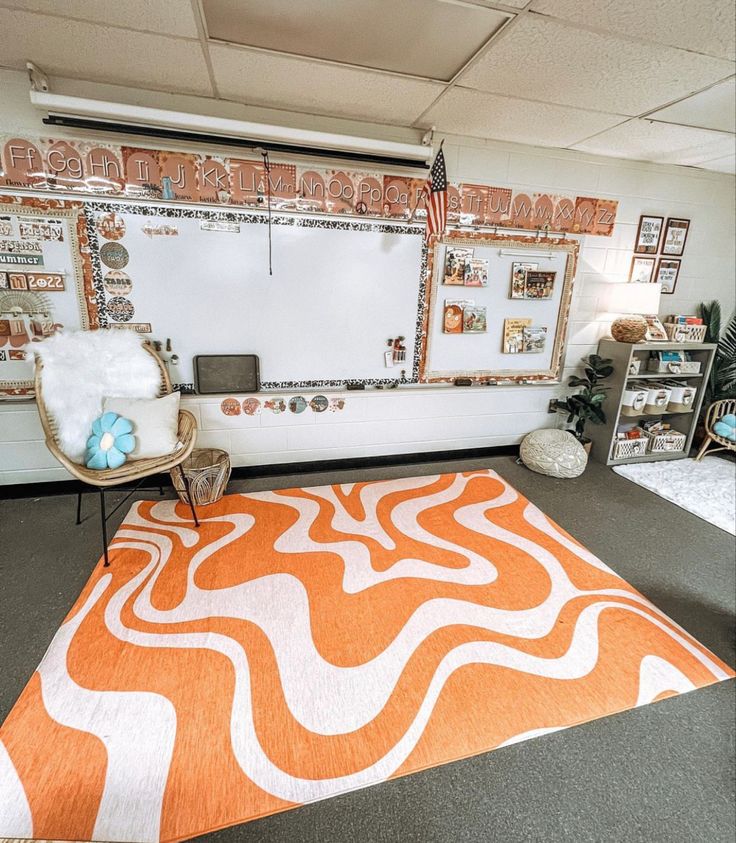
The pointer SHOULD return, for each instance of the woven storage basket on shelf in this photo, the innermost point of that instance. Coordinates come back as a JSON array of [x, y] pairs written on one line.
[[672, 440], [685, 333], [208, 470], [673, 367], [625, 448]]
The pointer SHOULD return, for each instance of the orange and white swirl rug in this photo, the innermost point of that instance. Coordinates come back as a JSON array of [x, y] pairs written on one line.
[[307, 642]]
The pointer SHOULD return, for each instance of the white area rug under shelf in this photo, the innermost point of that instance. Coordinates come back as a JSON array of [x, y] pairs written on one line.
[[706, 488]]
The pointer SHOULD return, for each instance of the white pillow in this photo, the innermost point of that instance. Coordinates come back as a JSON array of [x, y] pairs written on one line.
[[155, 423], [81, 368]]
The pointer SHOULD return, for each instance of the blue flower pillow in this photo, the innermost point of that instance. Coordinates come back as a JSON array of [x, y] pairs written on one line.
[[726, 427], [110, 443]]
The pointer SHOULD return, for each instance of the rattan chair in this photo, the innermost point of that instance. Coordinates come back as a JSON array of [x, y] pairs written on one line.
[[135, 470], [716, 411]]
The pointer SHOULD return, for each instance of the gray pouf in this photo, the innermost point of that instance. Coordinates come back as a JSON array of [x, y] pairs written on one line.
[[556, 453]]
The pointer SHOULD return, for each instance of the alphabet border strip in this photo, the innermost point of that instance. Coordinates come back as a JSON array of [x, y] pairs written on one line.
[[108, 170]]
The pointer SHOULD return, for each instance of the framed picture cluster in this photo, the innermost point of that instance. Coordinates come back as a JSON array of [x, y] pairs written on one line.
[[657, 251]]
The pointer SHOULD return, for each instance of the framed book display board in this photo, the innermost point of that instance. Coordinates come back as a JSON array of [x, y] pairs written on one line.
[[510, 327]]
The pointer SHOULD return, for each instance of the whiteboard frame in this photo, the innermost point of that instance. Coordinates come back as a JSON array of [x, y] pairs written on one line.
[[252, 216], [435, 270]]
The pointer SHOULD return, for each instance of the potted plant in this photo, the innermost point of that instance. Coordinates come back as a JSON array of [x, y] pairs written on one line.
[[722, 380], [585, 406]]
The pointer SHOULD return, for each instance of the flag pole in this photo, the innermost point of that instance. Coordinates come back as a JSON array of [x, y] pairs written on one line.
[[416, 204]]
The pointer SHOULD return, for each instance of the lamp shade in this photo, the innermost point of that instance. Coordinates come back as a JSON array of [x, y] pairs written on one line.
[[632, 298]]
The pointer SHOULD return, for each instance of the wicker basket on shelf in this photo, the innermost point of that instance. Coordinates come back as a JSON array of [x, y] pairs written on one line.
[[208, 470], [631, 329], [685, 333]]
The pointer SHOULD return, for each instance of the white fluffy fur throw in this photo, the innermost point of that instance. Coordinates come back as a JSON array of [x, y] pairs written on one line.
[[82, 368]]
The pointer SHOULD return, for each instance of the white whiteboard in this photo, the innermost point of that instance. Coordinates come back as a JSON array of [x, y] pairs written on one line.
[[481, 355], [339, 290]]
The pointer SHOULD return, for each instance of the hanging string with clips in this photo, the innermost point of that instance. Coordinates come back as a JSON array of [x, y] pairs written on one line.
[[267, 168]]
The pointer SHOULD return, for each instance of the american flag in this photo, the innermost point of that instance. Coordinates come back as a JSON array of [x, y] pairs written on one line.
[[435, 197]]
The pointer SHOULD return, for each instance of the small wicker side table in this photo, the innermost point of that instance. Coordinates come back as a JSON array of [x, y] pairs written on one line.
[[208, 470]]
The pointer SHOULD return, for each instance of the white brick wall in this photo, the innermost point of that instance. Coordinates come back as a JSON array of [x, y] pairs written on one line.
[[370, 424], [428, 419]]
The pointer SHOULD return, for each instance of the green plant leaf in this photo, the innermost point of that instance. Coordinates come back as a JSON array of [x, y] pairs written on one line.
[[710, 312], [598, 416]]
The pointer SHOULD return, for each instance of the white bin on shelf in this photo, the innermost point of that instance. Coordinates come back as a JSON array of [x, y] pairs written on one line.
[[658, 396], [633, 400], [682, 398]]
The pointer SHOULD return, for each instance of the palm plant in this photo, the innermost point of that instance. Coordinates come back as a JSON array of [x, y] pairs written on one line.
[[585, 406], [722, 380]]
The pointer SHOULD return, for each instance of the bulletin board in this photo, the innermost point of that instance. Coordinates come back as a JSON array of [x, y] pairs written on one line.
[[510, 323], [198, 281], [45, 281]]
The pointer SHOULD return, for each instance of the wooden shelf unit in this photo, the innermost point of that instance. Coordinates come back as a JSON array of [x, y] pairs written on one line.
[[623, 354]]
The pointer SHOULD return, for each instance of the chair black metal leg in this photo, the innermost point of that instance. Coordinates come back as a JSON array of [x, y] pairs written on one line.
[[104, 526], [79, 507], [189, 496]]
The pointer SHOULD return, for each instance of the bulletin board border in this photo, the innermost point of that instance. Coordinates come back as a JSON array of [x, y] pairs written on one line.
[[93, 208]]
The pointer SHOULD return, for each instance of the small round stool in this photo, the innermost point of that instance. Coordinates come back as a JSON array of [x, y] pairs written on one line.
[[207, 470]]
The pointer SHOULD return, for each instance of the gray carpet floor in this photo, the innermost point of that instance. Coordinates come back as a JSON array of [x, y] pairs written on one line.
[[664, 772]]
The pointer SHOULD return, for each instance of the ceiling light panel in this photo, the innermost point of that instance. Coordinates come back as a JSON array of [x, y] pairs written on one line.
[[432, 39]]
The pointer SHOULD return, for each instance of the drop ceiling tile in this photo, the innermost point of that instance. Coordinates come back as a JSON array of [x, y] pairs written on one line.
[[721, 165], [543, 59], [711, 109], [662, 143], [465, 112], [170, 17], [702, 27], [408, 37], [262, 78], [91, 51]]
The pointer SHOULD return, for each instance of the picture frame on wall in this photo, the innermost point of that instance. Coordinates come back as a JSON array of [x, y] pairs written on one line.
[[668, 270], [642, 270], [675, 235], [648, 235]]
